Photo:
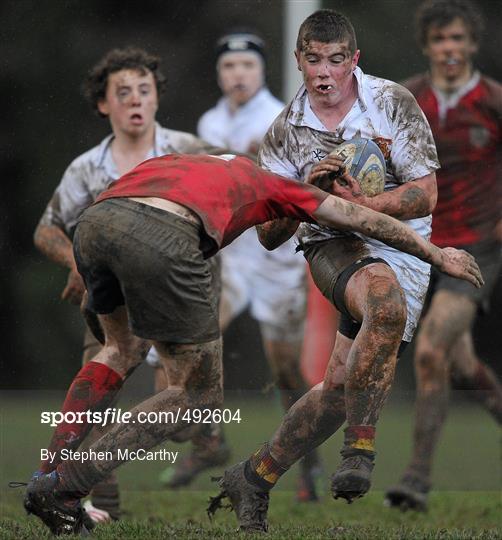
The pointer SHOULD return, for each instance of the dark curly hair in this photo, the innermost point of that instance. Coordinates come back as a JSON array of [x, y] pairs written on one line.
[[439, 13], [326, 26], [94, 86]]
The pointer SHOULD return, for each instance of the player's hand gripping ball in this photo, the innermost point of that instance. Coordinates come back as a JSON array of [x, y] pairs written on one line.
[[364, 161]]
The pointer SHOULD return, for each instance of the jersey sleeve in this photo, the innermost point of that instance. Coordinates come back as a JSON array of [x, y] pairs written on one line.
[[272, 154], [70, 198], [494, 100], [413, 153], [300, 201], [52, 213]]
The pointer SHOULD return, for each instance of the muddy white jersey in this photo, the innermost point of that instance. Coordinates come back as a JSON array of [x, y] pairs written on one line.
[[92, 172], [387, 113]]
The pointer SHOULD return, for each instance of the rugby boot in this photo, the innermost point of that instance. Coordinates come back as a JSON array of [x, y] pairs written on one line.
[[352, 479], [249, 502], [193, 464], [409, 494], [63, 515]]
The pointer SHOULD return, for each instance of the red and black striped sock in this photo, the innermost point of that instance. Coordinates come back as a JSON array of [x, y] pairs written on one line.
[[360, 439], [262, 469], [93, 389]]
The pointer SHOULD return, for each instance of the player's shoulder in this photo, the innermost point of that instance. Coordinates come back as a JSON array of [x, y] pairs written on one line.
[[417, 84], [279, 141], [210, 115], [492, 85], [276, 101], [85, 164], [493, 93], [274, 104], [173, 140], [284, 117], [388, 96], [215, 115], [385, 88], [279, 134], [89, 156]]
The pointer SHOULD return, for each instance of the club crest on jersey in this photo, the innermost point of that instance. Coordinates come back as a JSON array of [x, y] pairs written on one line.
[[385, 146], [479, 136]]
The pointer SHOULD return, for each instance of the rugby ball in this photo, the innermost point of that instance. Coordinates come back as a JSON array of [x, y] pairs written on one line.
[[365, 162]]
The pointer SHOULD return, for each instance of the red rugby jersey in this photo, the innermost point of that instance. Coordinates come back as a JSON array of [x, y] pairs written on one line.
[[468, 137], [228, 194]]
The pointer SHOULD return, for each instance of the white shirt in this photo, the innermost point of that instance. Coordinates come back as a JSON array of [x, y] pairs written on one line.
[[92, 172], [387, 113], [243, 128]]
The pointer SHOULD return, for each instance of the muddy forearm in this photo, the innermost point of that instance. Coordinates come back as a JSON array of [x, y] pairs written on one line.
[[337, 213], [274, 233], [55, 245], [409, 201], [399, 236]]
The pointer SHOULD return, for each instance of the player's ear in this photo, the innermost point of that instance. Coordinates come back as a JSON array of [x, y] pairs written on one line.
[[297, 56], [103, 107], [426, 47], [474, 47], [218, 77]]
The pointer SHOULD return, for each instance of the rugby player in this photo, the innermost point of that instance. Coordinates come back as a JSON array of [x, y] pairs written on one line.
[[378, 290], [124, 87], [271, 284], [464, 109], [142, 252]]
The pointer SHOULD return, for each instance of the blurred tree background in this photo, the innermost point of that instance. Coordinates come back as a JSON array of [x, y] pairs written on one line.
[[48, 46]]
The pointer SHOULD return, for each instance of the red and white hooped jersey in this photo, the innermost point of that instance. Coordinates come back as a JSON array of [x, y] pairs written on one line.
[[467, 127]]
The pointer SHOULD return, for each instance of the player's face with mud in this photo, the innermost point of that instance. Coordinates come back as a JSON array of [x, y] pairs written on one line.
[[240, 76], [327, 71], [450, 49], [131, 101]]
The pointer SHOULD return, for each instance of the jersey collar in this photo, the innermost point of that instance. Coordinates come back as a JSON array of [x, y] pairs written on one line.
[[104, 159], [450, 100]]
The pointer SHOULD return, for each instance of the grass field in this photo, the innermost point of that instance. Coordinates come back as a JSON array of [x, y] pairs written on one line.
[[467, 502]]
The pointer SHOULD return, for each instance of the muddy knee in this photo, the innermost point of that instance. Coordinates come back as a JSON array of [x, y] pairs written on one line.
[[387, 312], [196, 369], [124, 360]]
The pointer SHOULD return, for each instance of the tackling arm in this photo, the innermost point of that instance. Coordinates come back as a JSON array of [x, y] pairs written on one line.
[[273, 158], [344, 215], [274, 233]]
